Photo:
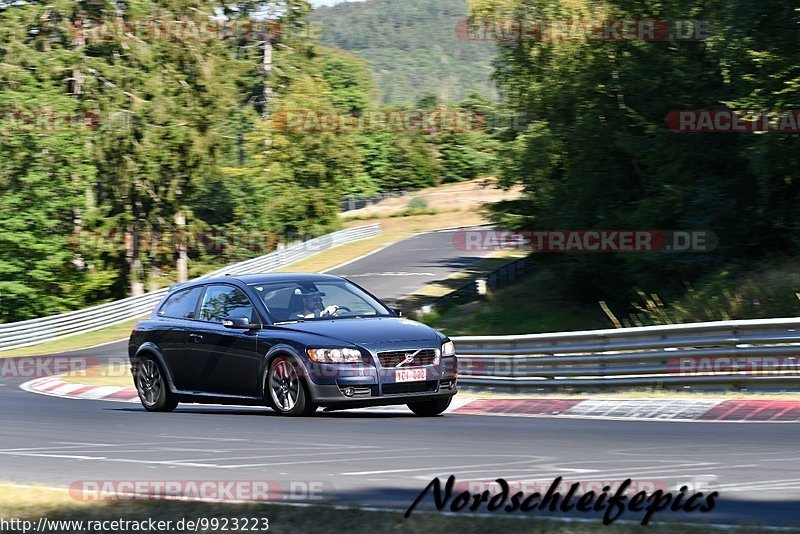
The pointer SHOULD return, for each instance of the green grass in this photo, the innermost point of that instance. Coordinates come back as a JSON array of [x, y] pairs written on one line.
[[532, 305], [410, 212], [33, 503], [770, 291]]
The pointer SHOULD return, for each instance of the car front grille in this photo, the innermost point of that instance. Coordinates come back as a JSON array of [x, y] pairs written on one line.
[[393, 358], [409, 387]]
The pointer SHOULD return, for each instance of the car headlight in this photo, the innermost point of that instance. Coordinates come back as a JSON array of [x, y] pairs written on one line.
[[335, 355], [448, 349]]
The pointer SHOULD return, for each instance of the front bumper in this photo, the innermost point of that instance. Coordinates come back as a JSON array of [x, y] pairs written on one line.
[[335, 397], [367, 385]]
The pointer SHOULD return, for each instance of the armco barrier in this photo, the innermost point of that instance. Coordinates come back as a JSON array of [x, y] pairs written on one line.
[[729, 354], [31, 332]]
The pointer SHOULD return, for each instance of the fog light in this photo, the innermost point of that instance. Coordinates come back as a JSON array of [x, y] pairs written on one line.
[[349, 392], [448, 384]]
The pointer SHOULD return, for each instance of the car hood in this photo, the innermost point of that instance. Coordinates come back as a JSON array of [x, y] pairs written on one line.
[[375, 331]]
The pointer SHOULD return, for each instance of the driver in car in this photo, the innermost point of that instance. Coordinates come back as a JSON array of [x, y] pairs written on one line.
[[312, 305]]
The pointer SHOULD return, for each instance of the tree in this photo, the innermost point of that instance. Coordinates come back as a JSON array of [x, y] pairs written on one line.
[[46, 139], [594, 153]]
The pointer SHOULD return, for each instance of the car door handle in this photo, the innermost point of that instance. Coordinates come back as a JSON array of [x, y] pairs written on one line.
[[197, 338]]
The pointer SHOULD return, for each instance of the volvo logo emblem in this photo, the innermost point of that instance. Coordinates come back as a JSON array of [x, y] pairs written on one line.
[[409, 359]]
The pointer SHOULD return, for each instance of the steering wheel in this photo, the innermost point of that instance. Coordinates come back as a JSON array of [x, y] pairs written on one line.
[[341, 308]]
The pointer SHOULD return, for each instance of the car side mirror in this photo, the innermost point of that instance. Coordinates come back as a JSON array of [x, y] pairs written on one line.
[[397, 311], [239, 323]]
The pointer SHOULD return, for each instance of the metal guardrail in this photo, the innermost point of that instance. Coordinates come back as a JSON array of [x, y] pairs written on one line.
[[501, 277], [732, 354], [33, 331]]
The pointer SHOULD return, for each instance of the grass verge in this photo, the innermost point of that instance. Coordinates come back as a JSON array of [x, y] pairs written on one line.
[[80, 341], [446, 199], [534, 304], [36, 502]]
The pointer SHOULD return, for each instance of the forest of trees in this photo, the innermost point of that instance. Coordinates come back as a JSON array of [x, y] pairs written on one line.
[[159, 133], [119, 136], [593, 151], [412, 47]]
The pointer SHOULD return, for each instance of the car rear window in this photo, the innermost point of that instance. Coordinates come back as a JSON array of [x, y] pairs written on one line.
[[181, 305]]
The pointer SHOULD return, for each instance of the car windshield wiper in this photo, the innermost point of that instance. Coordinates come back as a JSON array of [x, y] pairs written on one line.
[[333, 318], [293, 321]]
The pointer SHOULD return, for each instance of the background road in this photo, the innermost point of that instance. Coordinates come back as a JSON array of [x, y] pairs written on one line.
[[408, 265], [380, 458]]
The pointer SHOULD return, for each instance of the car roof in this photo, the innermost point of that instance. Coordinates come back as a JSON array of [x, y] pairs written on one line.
[[262, 279]]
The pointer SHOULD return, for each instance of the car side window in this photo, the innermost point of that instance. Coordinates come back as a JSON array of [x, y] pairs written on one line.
[[223, 301], [181, 305]]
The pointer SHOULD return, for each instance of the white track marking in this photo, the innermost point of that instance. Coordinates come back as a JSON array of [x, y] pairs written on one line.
[[195, 438], [66, 389], [439, 469], [368, 254]]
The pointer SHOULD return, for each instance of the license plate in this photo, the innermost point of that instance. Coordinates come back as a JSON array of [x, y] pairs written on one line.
[[411, 375]]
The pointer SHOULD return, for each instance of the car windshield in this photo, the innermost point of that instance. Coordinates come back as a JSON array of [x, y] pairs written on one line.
[[310, 301]]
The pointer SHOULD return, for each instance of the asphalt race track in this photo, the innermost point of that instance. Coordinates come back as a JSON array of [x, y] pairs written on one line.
[[409, 265], [383, 458]]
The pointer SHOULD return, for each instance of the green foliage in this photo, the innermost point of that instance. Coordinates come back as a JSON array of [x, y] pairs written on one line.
[[761, 295], [185, 130], [412, 47], [182, 130], [45, 171], [536, 303], [592, 150]]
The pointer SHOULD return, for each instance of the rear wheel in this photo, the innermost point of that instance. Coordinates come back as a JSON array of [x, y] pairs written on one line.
[[152, 387], [431, 407], [287, 392]]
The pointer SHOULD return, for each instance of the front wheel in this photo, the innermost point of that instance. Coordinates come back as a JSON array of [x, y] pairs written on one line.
[[152, 387], [287, 393], [431, 407]]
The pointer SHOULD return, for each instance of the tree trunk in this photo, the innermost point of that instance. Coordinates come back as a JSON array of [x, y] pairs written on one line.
[[183, 256], [134, 262], [267, 89]]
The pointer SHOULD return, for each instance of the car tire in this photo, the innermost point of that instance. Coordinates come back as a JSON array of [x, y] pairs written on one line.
[[285, 389], [152, 387], [430, 408]]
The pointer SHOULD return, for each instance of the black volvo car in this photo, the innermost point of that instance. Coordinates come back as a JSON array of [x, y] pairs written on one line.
[[295, 342]]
